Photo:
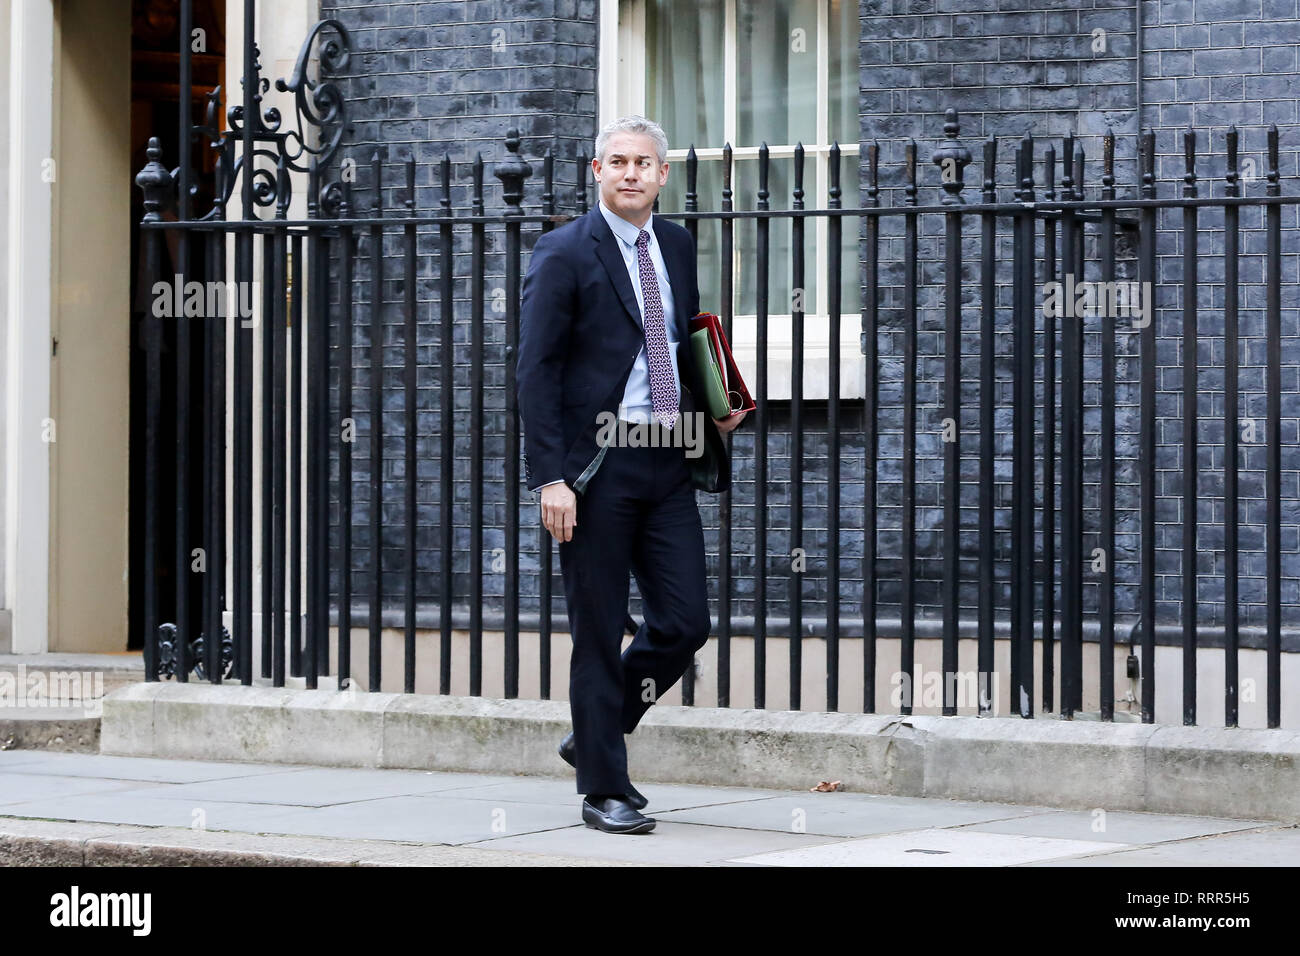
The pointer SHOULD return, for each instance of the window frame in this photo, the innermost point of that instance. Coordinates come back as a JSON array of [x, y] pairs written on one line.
[[621, 90]]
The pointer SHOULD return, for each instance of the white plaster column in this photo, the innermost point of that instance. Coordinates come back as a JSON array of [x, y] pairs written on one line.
[[27, 324]]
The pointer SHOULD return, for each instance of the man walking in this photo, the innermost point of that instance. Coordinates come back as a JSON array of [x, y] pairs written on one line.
[[603, 326]]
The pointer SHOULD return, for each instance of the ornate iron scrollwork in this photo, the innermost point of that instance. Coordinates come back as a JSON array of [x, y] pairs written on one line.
[[197, 654], [317, 102]]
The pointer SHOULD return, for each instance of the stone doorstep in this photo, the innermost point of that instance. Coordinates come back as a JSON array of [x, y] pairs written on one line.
[[1237, 773]]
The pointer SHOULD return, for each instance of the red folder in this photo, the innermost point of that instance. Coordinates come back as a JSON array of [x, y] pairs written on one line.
[[738, 395]]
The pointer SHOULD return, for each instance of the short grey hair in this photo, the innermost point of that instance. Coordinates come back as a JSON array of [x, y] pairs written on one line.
[[633, 124]]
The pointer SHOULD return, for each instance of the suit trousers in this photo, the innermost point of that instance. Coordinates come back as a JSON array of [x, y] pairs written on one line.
[[637, 515]]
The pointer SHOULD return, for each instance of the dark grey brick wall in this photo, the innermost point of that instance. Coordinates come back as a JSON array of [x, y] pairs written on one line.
[[426, 79], [452, 76], [1038, 65], [1209, 64]]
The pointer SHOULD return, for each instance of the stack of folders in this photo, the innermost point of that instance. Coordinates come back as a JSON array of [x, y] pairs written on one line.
[[725, 390]]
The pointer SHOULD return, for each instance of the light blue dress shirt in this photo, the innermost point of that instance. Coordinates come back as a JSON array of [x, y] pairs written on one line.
[[638, 404]]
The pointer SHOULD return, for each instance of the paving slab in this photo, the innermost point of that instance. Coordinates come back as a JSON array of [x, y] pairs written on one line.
[[322, 786], [846, 814], [929, 847], [668, 844], [421, 819], [133, 768], [70, 809], [662, 796], [18, 789], [1117, 826], [55, 843], [1273, 847], [124, 806], [17, 758]]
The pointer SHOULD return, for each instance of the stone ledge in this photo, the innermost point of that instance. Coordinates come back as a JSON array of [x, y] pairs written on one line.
[[1235, 773]]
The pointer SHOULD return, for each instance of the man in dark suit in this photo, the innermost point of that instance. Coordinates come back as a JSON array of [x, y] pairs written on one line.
[[616, 442]]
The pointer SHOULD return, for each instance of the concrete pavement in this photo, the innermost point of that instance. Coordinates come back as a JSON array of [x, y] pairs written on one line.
[[71, 808]]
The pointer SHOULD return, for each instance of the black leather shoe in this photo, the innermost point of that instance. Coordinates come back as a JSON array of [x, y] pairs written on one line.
[[614, 815], [568, 752]]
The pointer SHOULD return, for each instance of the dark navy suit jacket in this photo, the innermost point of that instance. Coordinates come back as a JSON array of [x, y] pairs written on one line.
[[579, 335]]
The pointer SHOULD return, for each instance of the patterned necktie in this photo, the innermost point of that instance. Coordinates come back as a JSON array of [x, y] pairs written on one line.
[[663, 390]]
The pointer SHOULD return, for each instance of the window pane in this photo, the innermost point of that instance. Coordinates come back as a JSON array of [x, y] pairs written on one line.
[[777, 63], [672, 199], [685, 69], [843, 85], [850, 244], [780, 180]]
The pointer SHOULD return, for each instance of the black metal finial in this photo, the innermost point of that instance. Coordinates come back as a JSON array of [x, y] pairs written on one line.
[[1148, 154], [1026, 172], [873, 174], [583, 165], [798, 174], [1274, 187], [1230, 176], [1078, 170], [952, 158], [155, 181], [283, 189], [409, 202], [548, 176], [512, 174], [833, 194], [692, 180], [909, 168], [476, 190], [1108, 164], [990, 169], [726, 177]]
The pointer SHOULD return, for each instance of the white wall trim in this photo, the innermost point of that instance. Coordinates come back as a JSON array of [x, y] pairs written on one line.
[[608, 65], [27, 324]]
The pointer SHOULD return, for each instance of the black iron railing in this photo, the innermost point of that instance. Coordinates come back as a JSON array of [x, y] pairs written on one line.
[[311, 296]]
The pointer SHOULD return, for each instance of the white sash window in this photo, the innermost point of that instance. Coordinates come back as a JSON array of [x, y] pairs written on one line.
[[745, 72]]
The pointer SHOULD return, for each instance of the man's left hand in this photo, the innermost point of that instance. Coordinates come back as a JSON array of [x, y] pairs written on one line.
[[730, 422]]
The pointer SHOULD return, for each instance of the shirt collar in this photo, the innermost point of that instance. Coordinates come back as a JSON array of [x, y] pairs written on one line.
[[624, 229]]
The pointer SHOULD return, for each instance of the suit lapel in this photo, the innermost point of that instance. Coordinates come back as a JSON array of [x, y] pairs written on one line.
[[611, 258], [676, 277]]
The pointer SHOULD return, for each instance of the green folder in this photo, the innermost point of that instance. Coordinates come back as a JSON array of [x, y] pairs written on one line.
[[707, 361]]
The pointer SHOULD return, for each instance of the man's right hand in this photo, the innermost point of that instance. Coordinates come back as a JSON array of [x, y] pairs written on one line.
[[559, 511]]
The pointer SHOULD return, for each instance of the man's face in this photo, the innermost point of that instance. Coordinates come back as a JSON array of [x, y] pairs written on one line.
[[630, 176]]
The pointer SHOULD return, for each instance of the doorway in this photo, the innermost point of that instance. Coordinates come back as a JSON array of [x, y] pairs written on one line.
[[155, 111]]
